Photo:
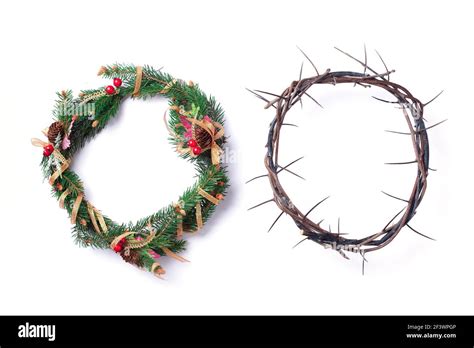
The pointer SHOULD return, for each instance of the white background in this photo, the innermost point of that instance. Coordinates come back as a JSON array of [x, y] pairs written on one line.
[[236, 267]]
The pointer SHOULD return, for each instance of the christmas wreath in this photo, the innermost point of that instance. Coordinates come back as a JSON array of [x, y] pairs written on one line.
[[195, 124]]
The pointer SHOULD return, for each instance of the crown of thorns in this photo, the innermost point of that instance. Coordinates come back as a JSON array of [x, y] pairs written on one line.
[[412, 110]]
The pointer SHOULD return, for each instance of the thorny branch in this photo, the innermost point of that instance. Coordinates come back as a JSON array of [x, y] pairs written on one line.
[[412, 109]]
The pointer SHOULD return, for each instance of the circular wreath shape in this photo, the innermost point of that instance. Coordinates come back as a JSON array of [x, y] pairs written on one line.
[[195, 124], [412, 110]]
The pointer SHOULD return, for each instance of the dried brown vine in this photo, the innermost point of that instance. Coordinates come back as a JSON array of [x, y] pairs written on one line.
[[412, 109]]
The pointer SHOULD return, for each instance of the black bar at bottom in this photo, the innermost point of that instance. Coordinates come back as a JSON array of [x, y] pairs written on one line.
[[164, 331]]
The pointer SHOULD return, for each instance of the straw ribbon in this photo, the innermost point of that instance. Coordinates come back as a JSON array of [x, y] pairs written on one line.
[[138, 81], [119, 238], [75, 208], [97, 219], [168, 86], [38, 143], [90, 210], [199, 216], [180, 213], [101, 219], [134, 244], [207, 196], [171, 254], [63, 197], [58, 172], [179, 230]]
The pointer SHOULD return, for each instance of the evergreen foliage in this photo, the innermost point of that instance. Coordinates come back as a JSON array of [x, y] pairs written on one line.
[[211, 178]]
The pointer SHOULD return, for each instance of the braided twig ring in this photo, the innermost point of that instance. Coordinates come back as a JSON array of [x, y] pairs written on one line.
[[412, 110]]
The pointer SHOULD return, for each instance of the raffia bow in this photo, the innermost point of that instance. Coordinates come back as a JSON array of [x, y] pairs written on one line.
[[213, 128], [58, 155], [135, 244]]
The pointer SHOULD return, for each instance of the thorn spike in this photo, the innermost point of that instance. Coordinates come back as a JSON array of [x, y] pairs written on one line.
[[385, 65], [257, 177], [421, 234], [301, 241], [433, 99], [400, 199], [274, 222], [310, 61], [258, 205], [321, 201], [289, 171], [401, 163]]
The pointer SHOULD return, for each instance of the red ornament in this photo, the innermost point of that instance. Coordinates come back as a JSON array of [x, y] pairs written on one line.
[[192, 143], [197, 150], [117, 82], [122, 241], [118, 248], [110, 90]]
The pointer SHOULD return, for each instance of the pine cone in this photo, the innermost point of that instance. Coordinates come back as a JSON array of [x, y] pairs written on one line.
[[133, 257], [203, 138], [53, 131]]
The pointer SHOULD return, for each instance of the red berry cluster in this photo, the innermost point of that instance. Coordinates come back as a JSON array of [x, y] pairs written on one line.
[[119, 246], [111, 89], [48, 150], [195, 148]]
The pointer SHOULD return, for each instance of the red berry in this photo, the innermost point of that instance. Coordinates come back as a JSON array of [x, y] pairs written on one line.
[[192, 143], [117, 82], [197, 150], [110, 90], [117, 248], [48, 150], [121, 241]]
